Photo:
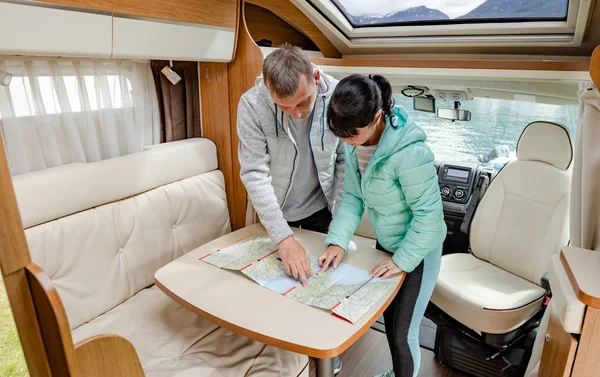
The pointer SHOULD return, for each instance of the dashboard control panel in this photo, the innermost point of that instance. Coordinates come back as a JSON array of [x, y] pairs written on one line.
[[456, 181]]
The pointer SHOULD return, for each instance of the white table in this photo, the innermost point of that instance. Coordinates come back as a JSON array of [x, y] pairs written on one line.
[[235, 302]]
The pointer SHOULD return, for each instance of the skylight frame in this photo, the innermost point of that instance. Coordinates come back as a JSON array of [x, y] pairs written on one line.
[[550, 33]]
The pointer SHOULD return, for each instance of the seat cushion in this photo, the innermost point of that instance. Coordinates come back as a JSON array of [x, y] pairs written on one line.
[[174, 342], [484, 297]]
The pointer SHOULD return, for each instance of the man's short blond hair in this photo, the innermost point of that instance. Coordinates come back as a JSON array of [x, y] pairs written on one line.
[[283, 68]]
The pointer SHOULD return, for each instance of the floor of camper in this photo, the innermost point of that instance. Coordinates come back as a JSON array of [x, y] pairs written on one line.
[[370, 355]]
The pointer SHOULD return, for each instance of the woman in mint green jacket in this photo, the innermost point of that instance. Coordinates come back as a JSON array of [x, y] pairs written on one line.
[[389, 170]]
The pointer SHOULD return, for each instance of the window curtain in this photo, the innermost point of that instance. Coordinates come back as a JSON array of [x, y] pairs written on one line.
[[179, 104], [59, 111], [585, 190]]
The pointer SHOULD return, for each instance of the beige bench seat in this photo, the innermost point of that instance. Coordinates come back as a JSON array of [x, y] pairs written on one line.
[[172, 341], [101, 231]]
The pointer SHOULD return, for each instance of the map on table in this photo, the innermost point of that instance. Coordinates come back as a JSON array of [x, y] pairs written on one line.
[[347, 291]]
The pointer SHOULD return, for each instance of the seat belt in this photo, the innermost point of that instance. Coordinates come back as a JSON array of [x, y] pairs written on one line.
[[482, 182]]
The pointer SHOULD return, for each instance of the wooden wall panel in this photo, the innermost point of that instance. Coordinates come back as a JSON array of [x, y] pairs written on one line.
[[262, 23], [290, 13], [595, 67], [242, 72], [105, 5], [214, 92], [208, 12], [559, 351], [587, 361]]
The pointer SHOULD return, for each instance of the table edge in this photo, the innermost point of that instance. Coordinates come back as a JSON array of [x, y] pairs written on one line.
[[583, 296], [289, 346]]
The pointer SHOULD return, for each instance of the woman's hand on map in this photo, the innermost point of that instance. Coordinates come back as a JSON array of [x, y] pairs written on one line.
[[333, 253], [294, 259], [386, 269]]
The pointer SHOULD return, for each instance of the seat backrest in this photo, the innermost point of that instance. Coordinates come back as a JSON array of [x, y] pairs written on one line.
[[523, 217], [101, 230]]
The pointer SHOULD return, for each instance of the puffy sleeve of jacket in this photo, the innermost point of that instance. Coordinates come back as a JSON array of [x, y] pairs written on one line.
[[419, 182], [349, 212]]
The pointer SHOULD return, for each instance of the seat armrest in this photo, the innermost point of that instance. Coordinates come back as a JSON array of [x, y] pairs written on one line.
[[545, 283]]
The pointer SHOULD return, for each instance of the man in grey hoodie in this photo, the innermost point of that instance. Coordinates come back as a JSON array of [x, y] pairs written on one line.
[[291, 164]]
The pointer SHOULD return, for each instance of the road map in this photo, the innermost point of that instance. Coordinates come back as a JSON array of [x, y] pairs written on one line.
[[347, 291]]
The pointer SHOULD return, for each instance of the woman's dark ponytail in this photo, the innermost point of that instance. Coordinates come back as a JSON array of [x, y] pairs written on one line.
[[386, 94], [355, 102]]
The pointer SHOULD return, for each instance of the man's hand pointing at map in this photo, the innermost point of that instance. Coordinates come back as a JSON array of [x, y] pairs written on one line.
[[294, 259]]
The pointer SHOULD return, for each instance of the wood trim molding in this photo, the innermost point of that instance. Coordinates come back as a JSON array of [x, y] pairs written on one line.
[[522, 65], [108, 355], [242, 73], [52, 317], [14, 257], [595, 67], [237, 27], [102, 5], [220, 13], [311, 352], [14, 252], [588, 299], [209, 12], [294, 16], [214, 92]]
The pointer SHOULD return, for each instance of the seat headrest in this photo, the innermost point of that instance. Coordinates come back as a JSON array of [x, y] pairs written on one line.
[[546, 142]]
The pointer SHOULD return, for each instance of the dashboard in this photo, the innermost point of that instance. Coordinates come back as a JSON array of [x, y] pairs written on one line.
[[458, 183]]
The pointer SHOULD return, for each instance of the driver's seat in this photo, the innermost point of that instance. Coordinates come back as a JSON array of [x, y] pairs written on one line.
[[521, 221]]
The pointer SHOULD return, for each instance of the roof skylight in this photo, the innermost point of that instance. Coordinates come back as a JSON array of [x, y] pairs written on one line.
[[362, 13]]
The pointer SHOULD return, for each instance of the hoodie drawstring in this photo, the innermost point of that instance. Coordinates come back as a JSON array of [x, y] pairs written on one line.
[[276, 126], [323, 125]]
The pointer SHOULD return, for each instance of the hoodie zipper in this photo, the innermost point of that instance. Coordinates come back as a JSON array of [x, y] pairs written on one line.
[[322, 143], [312, 117], [287, 190]]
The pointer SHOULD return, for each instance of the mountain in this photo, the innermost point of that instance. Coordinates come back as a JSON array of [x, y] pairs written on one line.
[[519, 9], [421, 13]]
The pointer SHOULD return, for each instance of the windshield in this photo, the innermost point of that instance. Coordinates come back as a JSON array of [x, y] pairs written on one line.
[[493, 131]]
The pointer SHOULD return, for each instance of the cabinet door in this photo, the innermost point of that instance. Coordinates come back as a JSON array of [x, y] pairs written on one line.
[[559, 350]]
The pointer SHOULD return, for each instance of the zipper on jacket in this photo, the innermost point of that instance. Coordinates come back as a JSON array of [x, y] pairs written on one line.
[[287, 190], [311, 147]]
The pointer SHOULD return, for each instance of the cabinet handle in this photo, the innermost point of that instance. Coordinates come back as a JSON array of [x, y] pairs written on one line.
[[547, 338]]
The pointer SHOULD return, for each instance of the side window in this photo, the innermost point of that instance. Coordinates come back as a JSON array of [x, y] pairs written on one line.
[[57, 111]]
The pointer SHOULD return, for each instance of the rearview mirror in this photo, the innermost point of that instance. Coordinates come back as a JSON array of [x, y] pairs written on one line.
[[454, 114]]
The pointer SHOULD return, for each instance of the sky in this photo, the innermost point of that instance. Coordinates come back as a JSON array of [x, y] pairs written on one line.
[[453, 8]]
